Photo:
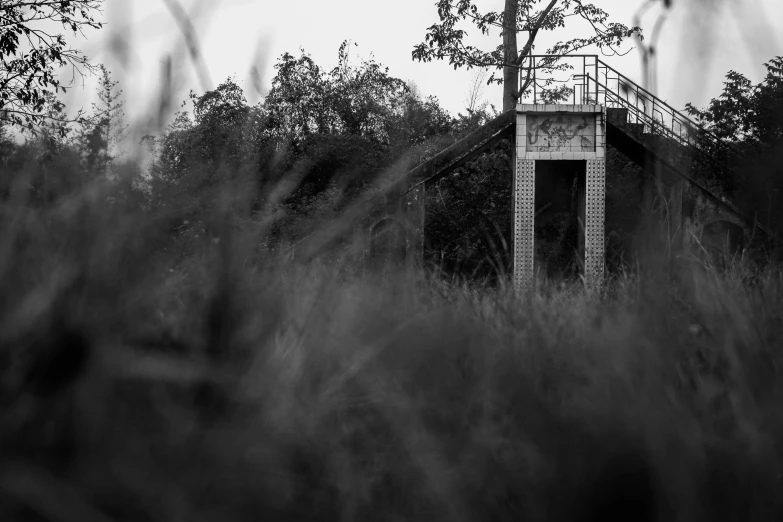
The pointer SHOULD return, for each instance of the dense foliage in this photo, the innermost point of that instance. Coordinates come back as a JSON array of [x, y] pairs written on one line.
[[317, 141], [750, 118], [468, 222], [60, 157], [30, 53]]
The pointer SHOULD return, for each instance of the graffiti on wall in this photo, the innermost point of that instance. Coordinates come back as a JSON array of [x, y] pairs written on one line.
[[561, 132]]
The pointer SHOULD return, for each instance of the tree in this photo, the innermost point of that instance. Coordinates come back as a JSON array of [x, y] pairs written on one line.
[[444, 40], [29, 53], [45, 168], [747, 114], [221, 143], [351, 98], [474, 99], [102, 133], [362, 95], [217, 130], [297, 103], [415, 119], [49, 136]]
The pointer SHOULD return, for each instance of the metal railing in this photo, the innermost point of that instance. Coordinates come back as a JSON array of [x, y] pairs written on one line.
[[587, 80]]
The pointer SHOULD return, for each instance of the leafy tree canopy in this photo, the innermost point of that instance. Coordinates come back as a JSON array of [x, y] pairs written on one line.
[[317, 130], [351, 98], [30, 52], [747, 114], [215, 139]]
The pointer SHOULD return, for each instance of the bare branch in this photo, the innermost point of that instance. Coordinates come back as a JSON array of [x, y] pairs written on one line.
[[534, 32]]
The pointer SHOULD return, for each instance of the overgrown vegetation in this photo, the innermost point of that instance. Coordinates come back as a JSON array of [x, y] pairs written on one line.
[[162, 357], [750, 117]]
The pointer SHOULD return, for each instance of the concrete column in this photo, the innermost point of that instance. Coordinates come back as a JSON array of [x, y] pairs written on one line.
[[524, 212], [594, 221]]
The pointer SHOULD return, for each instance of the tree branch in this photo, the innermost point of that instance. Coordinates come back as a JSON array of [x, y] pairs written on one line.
[[534, 32]]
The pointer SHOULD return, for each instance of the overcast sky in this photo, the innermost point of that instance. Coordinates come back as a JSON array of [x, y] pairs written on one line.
[[700, 41]]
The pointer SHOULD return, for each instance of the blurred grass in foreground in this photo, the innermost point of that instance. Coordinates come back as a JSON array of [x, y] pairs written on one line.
[[229, 386]]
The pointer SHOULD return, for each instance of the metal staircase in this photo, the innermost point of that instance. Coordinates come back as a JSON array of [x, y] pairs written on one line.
[[689, 146], [676, 142]]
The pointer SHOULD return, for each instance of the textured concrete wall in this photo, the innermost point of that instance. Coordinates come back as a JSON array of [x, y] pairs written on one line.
[[570, 132], [560, 132]]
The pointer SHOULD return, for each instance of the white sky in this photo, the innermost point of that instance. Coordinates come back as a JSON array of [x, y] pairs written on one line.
[[700, 42]]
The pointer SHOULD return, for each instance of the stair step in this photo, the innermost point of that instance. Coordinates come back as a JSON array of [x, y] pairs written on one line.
[[635, 128], [616, 116]]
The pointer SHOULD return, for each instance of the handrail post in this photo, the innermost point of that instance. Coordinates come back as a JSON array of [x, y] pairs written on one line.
[[588, 89], [585, 82], [535, 92]]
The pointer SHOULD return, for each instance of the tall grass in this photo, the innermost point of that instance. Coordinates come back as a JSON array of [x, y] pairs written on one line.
[[137, 385]]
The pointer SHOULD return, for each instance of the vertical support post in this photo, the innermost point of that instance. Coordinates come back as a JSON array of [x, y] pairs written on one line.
[[584, 71], [581, 209], [535, 94], [415, 214], [524, 213], [594, 225]]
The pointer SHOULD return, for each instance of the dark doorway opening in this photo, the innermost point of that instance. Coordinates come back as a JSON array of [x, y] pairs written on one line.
[[560, 208]]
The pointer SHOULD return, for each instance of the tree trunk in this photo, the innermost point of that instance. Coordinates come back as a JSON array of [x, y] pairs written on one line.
[[510, 73]]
